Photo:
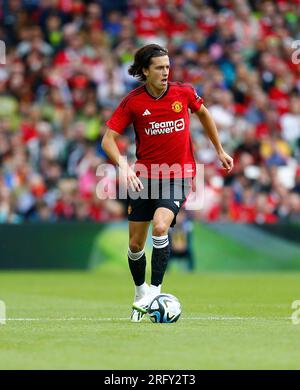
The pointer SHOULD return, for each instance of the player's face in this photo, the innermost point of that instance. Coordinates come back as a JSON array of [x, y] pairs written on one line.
[[158, 72]]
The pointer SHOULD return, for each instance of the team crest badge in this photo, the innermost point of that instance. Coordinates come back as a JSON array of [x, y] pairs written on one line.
[[177, 106], [129, 210]]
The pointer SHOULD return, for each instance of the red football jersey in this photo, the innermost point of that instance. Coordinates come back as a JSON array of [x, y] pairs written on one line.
[[163, 141]]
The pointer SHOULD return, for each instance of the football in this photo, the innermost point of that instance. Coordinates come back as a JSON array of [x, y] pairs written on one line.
[[164, 308]]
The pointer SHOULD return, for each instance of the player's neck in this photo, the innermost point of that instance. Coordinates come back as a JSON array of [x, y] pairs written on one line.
[[156, 93]]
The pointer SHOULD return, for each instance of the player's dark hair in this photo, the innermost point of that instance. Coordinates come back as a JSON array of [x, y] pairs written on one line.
[[142, 59]]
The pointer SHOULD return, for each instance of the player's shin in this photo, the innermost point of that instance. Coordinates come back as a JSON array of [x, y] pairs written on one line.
[[137, 266], [159, 262]]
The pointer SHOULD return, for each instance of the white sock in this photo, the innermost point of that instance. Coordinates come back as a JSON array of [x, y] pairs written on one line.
[[142, 290], [135, 255], [160, 242], [155, 290]]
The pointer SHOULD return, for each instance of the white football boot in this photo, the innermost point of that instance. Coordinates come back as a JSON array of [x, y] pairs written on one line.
[[137, 315], [141, 305]]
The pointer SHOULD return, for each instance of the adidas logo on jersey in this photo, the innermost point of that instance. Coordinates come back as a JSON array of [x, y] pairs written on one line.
[[146, 112]]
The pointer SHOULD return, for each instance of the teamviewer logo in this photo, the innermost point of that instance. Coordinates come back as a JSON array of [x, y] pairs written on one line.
[[179, 125], [2, 313]]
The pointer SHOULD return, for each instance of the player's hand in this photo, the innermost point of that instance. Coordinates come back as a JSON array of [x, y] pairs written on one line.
[[133, 181], [226, 161]]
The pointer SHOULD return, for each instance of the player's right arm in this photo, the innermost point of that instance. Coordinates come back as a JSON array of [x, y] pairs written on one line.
[[109, 145]]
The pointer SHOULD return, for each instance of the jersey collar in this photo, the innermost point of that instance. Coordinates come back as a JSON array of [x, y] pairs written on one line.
[[158, 97]]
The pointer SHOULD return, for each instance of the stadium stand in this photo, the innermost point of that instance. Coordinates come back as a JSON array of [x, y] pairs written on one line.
[[66, 70]]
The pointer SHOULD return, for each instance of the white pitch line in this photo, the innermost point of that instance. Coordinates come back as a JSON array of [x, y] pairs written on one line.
[[216, 318], [67, 319], [211, 318]]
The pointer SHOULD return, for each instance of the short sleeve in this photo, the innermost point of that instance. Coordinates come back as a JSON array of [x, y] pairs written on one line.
[[121, 118], [194, 100]]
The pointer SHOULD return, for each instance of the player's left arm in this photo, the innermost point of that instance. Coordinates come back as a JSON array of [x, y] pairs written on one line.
[[212, 132]]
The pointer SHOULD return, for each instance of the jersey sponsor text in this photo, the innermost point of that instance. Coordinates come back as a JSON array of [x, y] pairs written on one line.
[[165, 127]]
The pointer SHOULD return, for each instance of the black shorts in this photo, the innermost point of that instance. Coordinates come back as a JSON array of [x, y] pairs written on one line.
[[168, 193]]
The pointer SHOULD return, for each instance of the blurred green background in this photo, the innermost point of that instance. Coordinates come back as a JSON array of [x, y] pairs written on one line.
[[215, 247]]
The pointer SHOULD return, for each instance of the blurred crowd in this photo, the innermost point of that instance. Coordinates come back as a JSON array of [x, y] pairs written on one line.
[[66, 71]]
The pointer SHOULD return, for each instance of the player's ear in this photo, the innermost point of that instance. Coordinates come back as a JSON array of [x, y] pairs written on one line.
[[145, 72]]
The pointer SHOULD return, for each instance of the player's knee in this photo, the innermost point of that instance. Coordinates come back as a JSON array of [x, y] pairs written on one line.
[[160, 228], [135, 246]]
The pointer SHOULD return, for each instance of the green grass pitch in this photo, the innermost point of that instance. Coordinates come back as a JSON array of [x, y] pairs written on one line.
[[77, 320]]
